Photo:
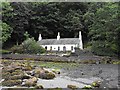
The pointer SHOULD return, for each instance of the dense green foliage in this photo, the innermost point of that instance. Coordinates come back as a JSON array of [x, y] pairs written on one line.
[[6, 31], [32, 47], [103, 31], [4, 27], [98, 21]]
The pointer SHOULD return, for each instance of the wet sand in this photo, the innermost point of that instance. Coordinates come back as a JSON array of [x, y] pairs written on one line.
[[108, 73]]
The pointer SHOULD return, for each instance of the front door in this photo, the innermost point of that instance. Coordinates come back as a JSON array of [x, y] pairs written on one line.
[[64, 49]]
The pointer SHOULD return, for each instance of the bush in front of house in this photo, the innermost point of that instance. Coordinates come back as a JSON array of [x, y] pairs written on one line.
[[29, 46], [17, 49]]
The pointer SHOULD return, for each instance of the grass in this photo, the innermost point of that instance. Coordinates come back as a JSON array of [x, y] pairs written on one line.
[[56, 65], [4, 51]]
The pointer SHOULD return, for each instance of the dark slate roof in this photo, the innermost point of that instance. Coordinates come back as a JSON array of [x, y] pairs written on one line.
[[60, 42]]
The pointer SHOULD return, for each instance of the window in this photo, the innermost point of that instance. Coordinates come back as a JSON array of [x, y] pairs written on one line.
[[50, 48], [64, 48], [58, 48], [71, 47], [46, 47]]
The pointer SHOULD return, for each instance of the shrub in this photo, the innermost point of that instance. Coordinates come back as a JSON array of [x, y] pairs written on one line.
[[29, 46], [32, 47], [17, 49], [102, 48]]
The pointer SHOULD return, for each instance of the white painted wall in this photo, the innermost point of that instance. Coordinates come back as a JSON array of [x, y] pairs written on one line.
[[80, 39], [55, 47]]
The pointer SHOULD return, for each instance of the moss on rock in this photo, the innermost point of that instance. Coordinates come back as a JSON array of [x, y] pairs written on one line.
[[31, 82], [72, 86], [87, 87], [38, 87], [96, 84], [11, 82]]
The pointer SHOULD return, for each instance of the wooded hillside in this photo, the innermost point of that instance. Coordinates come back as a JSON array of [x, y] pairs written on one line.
[[98, 21]]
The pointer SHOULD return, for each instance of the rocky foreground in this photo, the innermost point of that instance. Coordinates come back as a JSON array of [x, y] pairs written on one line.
[[24, 74]]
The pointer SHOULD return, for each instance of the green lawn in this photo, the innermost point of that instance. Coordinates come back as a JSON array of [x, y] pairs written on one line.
[[4, 51]]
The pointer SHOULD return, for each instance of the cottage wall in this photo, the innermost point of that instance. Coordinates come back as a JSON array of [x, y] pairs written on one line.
[[60, 47]]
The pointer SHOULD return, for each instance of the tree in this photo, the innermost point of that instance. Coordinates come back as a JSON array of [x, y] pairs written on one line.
[[6, 29], [103, 31], [6, 32], [18, 20]]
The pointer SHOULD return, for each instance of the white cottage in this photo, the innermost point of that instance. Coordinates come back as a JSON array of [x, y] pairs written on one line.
[[61, 44]]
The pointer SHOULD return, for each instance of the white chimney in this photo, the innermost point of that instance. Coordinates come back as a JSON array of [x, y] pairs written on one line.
[[40, 37], [80, 38], [58, 36]]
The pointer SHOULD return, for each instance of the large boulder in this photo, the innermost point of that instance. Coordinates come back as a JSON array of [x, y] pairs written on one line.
[[47, 75], [38, 71], [30, 82], [43, 74]]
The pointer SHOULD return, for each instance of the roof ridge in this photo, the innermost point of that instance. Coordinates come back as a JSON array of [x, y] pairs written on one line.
[[60, 38]]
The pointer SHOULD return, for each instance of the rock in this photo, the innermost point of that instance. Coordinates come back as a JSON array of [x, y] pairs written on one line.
[[87, 87], [50, 75], [2, 80], [96, 84], [47, 75], [82, 73], [11, 82], [17, 72], [31, 82], [38, 70], [30, 72], [38, 87], [1, 65], [56, 71], [15, 77], [27, 68], [13, 66], [43, 74], [25, 76], [72, 86]]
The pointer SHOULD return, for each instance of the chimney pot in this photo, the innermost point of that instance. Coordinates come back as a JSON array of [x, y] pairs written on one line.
[[40, 37], [58, 36]]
